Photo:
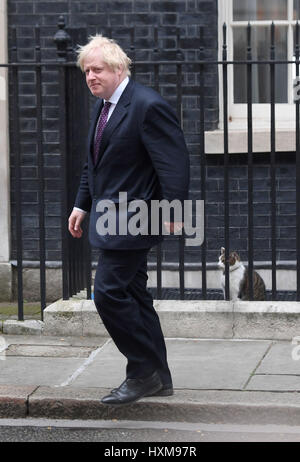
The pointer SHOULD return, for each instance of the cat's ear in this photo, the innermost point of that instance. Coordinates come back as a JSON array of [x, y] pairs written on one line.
[[236, 256], [222, 250]]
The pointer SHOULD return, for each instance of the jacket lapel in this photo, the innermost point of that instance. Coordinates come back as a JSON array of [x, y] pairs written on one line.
[[115, 119]]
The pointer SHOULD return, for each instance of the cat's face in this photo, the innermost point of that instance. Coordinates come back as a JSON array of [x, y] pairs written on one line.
[[233, 259]]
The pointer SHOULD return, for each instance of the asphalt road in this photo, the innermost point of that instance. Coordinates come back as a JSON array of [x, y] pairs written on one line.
[[42, 430]]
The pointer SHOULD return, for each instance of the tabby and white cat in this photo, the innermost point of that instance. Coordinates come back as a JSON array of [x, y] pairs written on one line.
[[239, 280]]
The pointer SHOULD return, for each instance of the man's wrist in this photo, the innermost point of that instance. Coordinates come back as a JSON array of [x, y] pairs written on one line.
[[79, 210]]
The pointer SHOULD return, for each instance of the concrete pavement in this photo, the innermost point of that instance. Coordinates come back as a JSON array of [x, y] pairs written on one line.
[[216, 380]]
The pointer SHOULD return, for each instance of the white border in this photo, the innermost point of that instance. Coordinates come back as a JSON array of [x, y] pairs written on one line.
[[4, 143]]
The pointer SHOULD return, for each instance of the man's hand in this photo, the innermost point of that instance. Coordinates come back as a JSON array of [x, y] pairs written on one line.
[[173, 228], [75, 221]]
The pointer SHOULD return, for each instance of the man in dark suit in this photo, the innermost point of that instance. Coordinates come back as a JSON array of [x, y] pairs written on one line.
[[135, 146]]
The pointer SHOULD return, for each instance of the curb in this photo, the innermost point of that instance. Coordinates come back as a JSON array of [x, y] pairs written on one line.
[[205, 406], [14, 401]]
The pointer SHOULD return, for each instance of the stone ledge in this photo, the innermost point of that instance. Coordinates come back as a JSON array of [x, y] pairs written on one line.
[[187, 319], [27, 327]]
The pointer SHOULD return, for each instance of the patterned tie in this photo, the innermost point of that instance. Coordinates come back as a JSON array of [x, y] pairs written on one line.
[[100, 127]]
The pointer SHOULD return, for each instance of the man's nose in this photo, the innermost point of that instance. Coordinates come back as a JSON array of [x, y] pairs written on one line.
[[91, 75]]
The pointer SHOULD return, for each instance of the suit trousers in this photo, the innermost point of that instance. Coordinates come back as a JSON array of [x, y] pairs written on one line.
[[126, 309]]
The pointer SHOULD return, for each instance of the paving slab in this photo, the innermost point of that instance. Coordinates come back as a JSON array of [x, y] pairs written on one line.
[[37, 371], [274, 383], [215, 380], [93, 341], [52, 351], [31, 339], [202, 364], [48, 361], [280, 359]]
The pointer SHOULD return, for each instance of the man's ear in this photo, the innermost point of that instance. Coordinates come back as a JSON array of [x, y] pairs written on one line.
[[120, 69]]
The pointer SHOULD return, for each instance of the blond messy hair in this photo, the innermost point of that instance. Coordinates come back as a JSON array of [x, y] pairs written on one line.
[[111, 53]]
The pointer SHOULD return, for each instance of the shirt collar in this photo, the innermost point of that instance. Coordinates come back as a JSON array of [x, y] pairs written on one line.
[[118, 91]]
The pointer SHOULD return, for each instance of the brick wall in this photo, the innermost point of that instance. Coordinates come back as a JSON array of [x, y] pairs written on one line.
[[177, 25], [178, 28], [238, 211]]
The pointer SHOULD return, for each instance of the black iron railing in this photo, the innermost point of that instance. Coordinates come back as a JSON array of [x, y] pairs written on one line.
[[76, 254]]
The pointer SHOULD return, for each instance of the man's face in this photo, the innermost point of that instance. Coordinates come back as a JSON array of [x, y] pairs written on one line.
[[100, 78]]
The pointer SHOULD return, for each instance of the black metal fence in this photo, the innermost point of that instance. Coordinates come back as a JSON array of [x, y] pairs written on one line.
[[73, 126]]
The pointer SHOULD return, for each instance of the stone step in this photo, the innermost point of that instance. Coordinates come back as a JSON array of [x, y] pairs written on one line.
[[187, 319]]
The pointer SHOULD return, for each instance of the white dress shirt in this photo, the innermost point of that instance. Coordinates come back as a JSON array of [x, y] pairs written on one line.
[[113, 100], [116, 96]]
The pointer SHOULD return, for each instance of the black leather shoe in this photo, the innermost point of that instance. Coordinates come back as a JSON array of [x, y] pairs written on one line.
[[166, 390], [134, 389]]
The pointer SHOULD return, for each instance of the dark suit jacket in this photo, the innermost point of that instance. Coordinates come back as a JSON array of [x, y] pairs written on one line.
[[142, 153]]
